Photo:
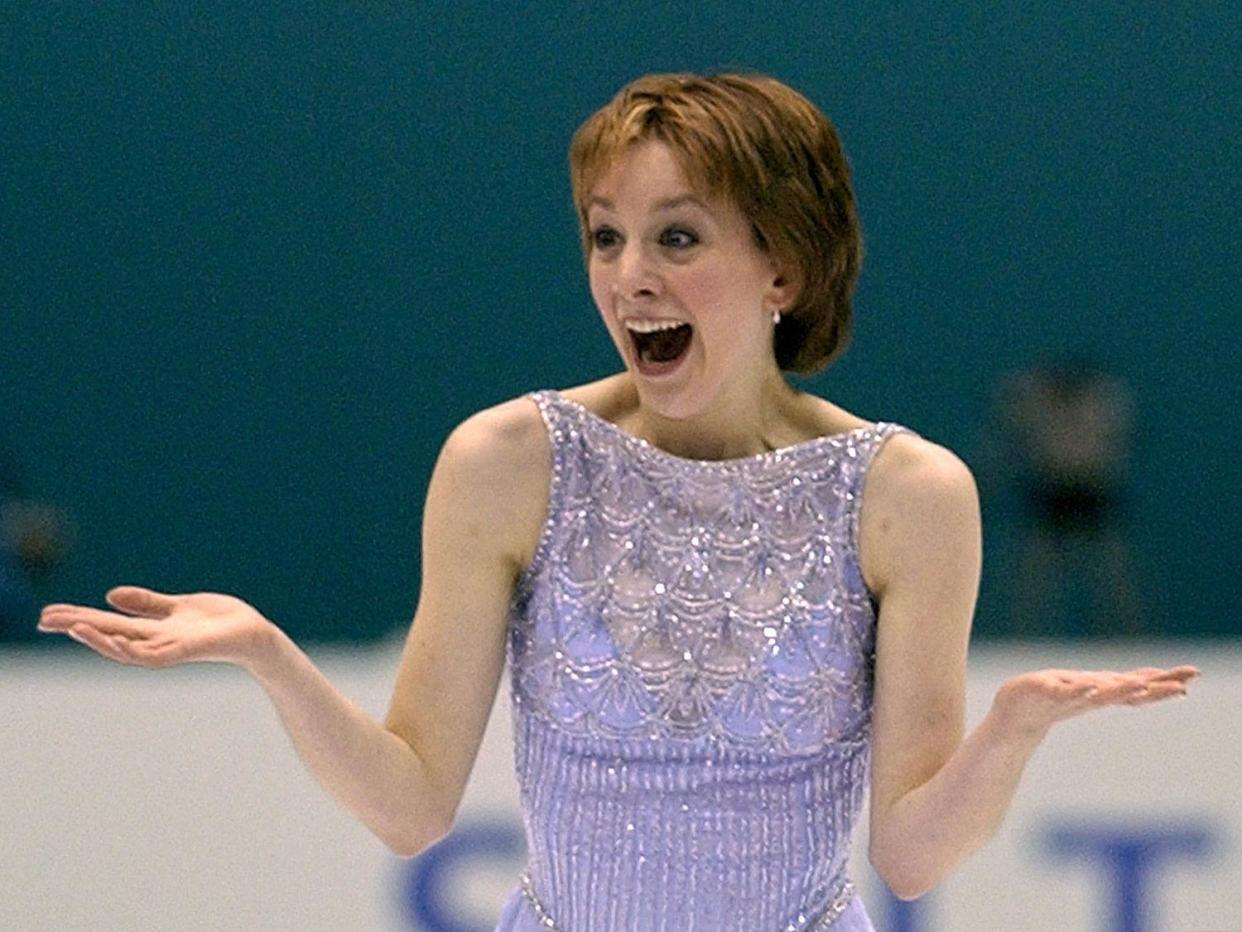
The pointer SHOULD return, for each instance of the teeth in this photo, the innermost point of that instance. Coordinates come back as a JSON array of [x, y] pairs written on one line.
[[651, 326]]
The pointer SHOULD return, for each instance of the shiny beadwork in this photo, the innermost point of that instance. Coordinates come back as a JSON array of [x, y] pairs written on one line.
[[691, 656]]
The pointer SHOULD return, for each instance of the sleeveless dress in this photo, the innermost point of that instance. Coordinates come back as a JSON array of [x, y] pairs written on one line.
[[691, 656]]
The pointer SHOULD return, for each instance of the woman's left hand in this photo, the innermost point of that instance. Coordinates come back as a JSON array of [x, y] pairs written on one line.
[[1033, 702]]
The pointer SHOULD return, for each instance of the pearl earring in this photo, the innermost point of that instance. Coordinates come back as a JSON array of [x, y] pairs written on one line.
[[776, 317]]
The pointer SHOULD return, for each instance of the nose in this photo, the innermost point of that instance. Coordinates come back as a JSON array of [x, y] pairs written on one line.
[[635, 276]]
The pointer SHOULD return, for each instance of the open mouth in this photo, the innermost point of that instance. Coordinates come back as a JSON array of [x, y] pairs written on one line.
[[660, 347]]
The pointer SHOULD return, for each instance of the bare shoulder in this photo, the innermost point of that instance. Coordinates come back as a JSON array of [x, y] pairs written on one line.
[[818, 417], [918, 494], [610, 398], [502, 457], [493, 436]]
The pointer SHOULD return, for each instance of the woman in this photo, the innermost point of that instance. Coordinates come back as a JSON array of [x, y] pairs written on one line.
[[720, 636]]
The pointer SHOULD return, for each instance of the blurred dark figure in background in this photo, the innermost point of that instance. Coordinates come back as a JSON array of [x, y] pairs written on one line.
[[34, 539], [1064, 436]]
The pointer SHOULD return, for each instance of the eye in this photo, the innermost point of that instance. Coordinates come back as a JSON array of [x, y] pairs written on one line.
[[678, 238], [604, 237]]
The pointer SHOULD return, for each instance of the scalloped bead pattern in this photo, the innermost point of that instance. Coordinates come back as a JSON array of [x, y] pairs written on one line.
[[691, 653]]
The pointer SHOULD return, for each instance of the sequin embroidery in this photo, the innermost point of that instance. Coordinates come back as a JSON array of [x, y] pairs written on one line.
[[691, 653]]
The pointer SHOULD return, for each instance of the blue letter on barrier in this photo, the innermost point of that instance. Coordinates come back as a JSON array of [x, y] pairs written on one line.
[[904, 915], [1128, 856], [427, 882]]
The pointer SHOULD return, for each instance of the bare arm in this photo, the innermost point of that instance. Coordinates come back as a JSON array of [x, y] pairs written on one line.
[[935, 797], [483, 520], [373, 773], [402, 778]]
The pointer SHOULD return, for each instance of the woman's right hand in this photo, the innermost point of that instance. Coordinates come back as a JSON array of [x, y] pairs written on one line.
[[155, 629]]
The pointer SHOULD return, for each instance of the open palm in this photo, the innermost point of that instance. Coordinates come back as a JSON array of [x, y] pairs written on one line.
[[1035, 701], [155, 629]]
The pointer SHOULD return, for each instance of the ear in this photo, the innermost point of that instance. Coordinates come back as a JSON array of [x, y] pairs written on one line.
[[784, 288]]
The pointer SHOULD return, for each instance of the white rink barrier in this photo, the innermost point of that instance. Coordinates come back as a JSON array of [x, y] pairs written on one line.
[[172, 800]]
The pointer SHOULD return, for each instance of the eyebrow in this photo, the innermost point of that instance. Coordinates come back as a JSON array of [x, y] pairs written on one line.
[[667, 204]]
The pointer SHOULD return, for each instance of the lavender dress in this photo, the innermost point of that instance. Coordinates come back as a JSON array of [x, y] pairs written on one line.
[[691, 654]]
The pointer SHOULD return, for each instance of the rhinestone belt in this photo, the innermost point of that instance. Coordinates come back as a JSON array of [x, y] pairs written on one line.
[[820, 923]]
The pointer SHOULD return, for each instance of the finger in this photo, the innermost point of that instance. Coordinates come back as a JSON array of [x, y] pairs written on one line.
[[1063, 675], [139, 601], [1152, 676], [62, 618], [1158, 693], [1152, 691], [1182, 674], [100, 643], [109, 623], [49, 613], [58, 617]]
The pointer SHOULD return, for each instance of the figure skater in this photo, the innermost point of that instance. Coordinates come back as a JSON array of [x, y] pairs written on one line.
[[730, 608]]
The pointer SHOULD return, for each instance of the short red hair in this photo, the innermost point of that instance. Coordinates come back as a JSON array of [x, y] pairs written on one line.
[[770, 152]]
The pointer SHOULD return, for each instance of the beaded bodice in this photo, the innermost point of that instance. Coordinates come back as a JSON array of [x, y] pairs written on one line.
[[691, 653]]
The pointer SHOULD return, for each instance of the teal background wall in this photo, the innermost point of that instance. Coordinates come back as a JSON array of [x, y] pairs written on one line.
[[259, 259]]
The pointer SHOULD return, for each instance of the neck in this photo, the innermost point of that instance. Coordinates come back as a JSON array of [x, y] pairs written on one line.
[[742, 423]]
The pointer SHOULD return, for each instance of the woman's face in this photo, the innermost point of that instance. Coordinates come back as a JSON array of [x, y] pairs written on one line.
[[661, 254]]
